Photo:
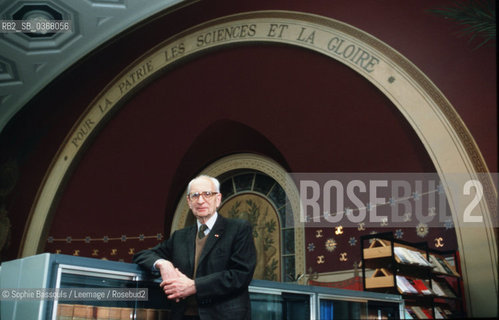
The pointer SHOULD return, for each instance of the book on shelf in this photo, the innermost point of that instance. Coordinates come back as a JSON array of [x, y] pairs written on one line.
[[418, 311], [400, 253], [422, 259], [420, 286], [437, 267], [65, 311], [442, 266], [406, 254], [444, 286], [152, 314], [126, 313], [101, 313], [83, 312], [113, 313], [411, 312], [411, 256], [438, 314], [427, 312], [437, 289], [404, 286], [446, 313]]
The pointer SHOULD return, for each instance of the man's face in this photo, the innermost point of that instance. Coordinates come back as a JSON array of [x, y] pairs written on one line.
[[203, 208]]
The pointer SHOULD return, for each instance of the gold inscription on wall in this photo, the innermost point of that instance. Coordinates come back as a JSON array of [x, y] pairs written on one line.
[[245, 28]]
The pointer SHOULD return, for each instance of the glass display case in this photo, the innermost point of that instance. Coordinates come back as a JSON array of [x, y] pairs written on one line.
[[277, 300], [85, 288]]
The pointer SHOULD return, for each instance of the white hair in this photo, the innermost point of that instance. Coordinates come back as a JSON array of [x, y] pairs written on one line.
[[213, 180]]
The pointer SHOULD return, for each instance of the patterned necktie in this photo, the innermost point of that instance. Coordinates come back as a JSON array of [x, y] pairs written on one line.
[[202, 228]]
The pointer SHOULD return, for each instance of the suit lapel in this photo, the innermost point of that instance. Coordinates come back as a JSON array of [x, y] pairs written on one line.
[[191, 247], [215, 234]]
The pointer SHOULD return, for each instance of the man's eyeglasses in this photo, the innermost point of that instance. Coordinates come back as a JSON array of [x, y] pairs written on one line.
[[206, 195]]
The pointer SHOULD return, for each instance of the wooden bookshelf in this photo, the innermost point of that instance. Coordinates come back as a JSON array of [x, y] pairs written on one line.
[[414, 271], [381, 278]]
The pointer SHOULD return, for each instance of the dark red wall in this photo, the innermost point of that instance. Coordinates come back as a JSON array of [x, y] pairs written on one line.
[[304, 110], [317, 116]]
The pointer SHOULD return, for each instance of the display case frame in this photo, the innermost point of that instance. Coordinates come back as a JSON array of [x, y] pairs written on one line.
[[62, 269], [49, 271]]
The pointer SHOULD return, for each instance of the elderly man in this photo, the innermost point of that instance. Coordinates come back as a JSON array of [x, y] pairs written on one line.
[[205, 268]]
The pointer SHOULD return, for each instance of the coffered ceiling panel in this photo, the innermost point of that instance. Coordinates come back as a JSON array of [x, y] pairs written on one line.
[[31, 60]]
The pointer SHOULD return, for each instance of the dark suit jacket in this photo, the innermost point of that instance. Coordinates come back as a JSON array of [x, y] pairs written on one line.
[[225, 267]]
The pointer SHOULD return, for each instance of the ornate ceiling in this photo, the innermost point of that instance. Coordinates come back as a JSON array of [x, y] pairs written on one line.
[[30, 61]]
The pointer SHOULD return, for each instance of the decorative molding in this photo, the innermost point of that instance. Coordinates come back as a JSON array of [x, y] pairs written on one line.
[[105, 239], [8, 71], [108, 3], [59, 51], [54, 42]]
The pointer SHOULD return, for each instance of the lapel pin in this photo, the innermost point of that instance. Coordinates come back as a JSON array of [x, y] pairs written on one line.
[[216, 235]]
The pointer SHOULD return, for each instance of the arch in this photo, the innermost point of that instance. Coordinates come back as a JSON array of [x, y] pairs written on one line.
[[450, 145], [241, 139], [270, 168]]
